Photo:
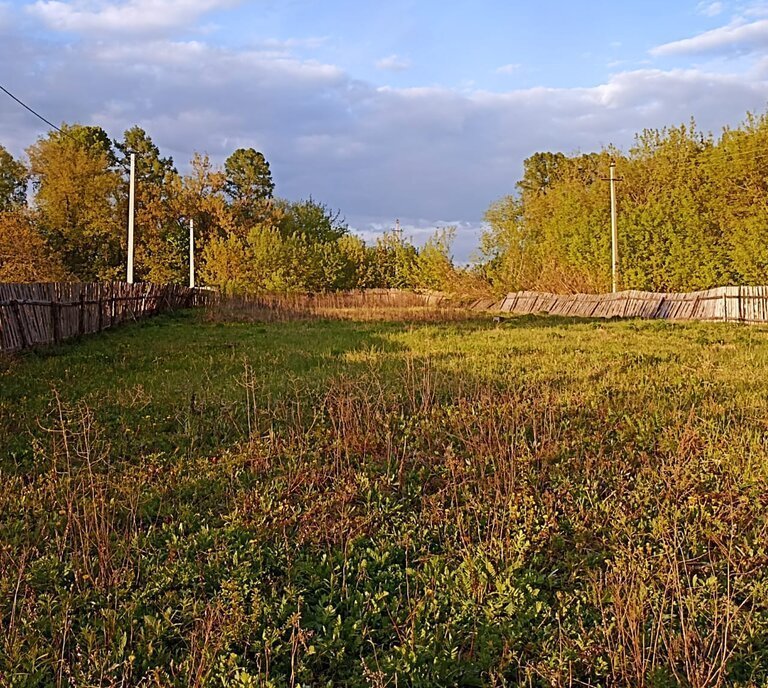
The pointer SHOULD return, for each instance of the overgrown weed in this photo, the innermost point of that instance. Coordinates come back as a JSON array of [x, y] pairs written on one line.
[[433, 516], [369, 305]]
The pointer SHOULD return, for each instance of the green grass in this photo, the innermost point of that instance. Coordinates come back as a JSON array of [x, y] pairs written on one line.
[[541, 501], [157, 383]]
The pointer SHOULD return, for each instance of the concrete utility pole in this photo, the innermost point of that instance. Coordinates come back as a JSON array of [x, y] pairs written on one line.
[[614, 232], [192, 254], [131, 204]]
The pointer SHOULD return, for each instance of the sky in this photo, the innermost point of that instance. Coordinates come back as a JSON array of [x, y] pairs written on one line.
[[421, 110]]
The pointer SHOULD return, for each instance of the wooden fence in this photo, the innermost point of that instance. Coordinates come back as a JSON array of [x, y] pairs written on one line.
[[36, 314], [727, 304]]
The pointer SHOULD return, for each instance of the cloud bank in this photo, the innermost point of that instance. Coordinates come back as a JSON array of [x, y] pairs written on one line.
[[737, 37], [431, 156], [131, 16]]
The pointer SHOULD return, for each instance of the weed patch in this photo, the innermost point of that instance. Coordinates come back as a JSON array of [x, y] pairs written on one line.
[[533, 502]]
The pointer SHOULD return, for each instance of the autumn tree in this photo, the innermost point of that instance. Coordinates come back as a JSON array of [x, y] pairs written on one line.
[[507, 255], [541, 171], [692, 215], [392, 262], [354, 264], [736, 189], [77, 194], [298, 246], [434, 267], [13, 182], [200, 196], [151, 169], [160, 237], [25, 256]]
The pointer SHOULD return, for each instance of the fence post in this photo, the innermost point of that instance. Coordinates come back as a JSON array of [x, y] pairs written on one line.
[[100, 306], [55, 323], [22, 332], [81, 314], [112, 304], [741, 313], [725, 307]]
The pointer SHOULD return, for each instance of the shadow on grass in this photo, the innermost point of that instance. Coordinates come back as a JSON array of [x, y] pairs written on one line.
[[544, 320], [168, 384]]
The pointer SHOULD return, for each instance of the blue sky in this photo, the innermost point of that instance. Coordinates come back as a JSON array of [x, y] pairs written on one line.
[[416, 109]]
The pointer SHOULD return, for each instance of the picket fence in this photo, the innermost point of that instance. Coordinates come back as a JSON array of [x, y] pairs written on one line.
[[727, 304], [47, 313]]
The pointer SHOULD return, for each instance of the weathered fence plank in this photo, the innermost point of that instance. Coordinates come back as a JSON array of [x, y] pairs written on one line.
[[47, 313], [728, 304]]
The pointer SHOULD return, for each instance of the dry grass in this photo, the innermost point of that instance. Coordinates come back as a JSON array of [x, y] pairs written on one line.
[[365, 306], [538, 503]]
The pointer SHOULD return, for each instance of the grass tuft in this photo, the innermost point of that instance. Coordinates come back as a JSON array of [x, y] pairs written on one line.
[[319, 501]]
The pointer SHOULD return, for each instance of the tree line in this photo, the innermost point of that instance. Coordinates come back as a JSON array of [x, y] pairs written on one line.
[[63, 216], [692, 209], [693, 214]]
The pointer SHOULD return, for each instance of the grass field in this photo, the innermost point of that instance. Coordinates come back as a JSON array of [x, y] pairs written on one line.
[[539, 501]]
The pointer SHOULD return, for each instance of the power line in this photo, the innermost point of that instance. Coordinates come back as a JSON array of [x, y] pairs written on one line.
[[717, 149], [756, 152], [24, 105]]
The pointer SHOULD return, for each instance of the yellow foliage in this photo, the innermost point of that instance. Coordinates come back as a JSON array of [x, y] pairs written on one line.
[[24, 254]]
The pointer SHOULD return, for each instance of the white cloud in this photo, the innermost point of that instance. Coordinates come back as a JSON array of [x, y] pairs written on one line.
[[289, 44], [508, 68], [419, 230], [736, 37], [129, 16], [710, 9], [756, 9], [394, 63], [375, 153]]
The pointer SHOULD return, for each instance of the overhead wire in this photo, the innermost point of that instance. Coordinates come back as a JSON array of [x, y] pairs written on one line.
[[37, 114], [757, 152], [34, 112]]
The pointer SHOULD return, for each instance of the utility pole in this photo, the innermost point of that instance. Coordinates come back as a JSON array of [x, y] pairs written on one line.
[[614, 231], [192, 254], [131, 204], [399, 235]]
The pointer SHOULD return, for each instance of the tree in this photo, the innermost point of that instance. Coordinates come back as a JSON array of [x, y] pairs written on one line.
[[200, 196], [24, 254], [392, 262], [736, 186], [353, 267], [77, 200], [249, 185], [151, 169], [509, 249], [434, 265], [225, 264], [315, 221], [88, 137], [160, 237], [13, 182], [692, 215], [541, 171], [268, 259]]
